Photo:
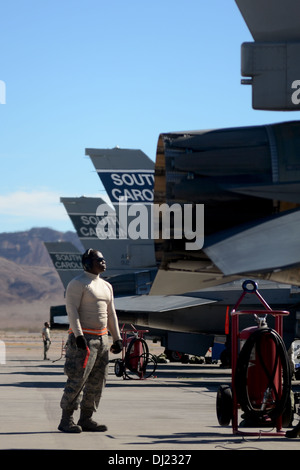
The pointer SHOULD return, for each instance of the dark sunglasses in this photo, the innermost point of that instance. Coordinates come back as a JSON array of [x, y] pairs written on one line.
[[97, 258]]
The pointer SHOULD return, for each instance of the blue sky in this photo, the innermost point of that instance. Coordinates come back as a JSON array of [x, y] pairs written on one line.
[[96, 74]]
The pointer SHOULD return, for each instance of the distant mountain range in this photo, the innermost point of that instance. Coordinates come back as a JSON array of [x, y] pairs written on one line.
[[28, 247], [26, 271]]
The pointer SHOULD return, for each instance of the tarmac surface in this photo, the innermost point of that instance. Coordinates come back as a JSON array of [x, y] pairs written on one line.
[[172, 411]]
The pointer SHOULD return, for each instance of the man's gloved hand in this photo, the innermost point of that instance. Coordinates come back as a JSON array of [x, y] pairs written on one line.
[[116, 347], [81, 342]]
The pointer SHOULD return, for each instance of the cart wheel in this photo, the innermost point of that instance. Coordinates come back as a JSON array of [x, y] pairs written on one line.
[[119, 367], [224, 405], [173, 356]]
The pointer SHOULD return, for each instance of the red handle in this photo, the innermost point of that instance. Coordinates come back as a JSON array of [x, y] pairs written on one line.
[[86, 357]]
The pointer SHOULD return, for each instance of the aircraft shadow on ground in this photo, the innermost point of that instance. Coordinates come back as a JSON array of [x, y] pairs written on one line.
[[175, 375]]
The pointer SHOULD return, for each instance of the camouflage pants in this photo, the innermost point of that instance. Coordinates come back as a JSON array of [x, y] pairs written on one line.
[[46, 347], [85, 386]]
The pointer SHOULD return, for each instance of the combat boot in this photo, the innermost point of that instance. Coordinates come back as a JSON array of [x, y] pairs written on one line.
[[88, 424], [67, 424], [295, 432]]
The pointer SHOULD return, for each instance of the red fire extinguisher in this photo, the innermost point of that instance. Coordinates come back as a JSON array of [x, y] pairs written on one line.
[[263, 371], [136, 357], [258, 374], [261, 376]]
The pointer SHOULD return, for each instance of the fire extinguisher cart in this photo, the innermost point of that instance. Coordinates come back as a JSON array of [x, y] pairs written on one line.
[[136, 362], [261, 377]]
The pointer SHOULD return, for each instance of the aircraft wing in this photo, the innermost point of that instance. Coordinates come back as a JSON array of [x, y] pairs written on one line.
[[172, 313], [281, 191], [159, 303], [266, 246], [279, 23], [204, 312]]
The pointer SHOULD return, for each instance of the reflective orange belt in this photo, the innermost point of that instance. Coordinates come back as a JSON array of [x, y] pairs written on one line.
[[91, 331]]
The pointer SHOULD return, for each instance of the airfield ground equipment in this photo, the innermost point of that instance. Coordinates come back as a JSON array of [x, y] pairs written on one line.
[[136, 360], [62, 352], [261, 375]]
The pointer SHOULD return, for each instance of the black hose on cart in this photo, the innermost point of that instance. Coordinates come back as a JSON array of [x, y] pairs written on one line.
[[254, 341], [138, 363]]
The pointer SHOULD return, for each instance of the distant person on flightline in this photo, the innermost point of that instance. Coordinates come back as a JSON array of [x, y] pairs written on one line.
[[46, 338], [91, 312]]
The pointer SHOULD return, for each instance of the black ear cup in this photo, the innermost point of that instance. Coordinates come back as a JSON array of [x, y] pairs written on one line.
[[86, 259]]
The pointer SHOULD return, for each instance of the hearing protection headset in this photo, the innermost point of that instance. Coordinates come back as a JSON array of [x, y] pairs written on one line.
[[86, 259]]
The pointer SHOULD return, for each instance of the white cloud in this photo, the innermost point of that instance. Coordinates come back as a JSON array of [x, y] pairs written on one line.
[[22, 210], [44, 205]]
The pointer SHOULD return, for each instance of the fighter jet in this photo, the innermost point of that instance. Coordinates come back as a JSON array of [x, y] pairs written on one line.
[[131, 265], [66, 259], [248, 179], [190, 313], [126, 174], [180, 300]]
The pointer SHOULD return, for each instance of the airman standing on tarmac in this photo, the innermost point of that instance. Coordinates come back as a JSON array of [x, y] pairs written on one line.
[[91, 312], [46, 338]]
